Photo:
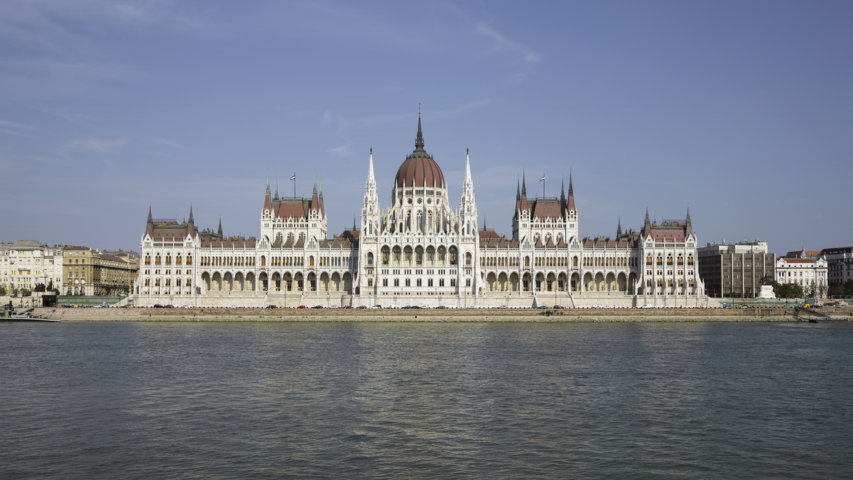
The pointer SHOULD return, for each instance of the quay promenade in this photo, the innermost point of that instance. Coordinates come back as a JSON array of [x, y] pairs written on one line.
[[435, 315]]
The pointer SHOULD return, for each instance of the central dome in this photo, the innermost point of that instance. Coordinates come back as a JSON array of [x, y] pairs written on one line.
[[419, 169]]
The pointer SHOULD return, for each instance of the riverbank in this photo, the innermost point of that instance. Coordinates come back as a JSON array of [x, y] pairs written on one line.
[[426, 315]]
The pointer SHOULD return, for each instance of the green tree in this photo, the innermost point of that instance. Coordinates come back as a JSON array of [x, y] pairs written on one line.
[[39, 287], [2, 291], [25, 292]]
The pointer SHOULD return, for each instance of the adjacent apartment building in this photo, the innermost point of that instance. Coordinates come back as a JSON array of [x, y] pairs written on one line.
[[92, 272], [806, 269], [736, 270], [28, 263], [839, 264]]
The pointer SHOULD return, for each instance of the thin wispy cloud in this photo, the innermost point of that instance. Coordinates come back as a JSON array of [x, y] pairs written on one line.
[[504, 44], [16, 129], [95, 145], [340, 151]]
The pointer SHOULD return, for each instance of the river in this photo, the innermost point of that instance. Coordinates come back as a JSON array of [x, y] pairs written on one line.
[[426, 400]]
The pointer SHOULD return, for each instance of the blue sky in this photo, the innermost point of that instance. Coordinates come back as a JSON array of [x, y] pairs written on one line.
[[742, 111]]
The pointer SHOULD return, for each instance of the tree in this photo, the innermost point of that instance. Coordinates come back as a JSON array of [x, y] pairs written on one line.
[[39, 288], [3, 291], [25, 292]]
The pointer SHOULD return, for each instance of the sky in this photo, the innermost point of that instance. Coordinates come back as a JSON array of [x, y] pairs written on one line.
[[741, 111]]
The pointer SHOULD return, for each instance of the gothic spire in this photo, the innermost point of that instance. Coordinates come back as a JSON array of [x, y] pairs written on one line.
[[150, 219], [689, 223], [523, 184], [571, 204], [276, 188], [370, 168], [647, 222], [268, 187], [419, 140], [562, 194], [619, 229], [219, 230], [190, 220]]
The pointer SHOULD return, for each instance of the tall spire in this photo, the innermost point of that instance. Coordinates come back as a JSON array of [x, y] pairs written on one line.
[[647, 222], [219, 230], [467, 166], [571, 204], [370, 177], [268, 186], [688, 222], [190, 220], [419, 140], [150, 219], [276, 188], [523, 184], [562, 194], [619, 229]]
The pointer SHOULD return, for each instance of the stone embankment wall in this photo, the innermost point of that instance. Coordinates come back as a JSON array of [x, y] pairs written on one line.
[[423, 315]]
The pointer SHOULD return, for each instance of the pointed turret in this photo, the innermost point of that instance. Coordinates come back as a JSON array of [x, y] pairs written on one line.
[[563, 204], [370, 178], [315, 198], [276, 190], [467, 204], [322, 205], [647, 224], [524, 205], [190, 220], [219, 230], [267, 200], [571, 201], [619, 229], [688, 223], [150, 218]]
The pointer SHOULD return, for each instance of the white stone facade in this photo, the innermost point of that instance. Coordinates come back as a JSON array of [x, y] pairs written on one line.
[[420, 251], [809, 273], [27, 263]]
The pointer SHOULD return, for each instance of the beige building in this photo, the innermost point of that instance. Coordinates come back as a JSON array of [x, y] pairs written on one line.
[[27, 263], [92, 272], [736, 270]]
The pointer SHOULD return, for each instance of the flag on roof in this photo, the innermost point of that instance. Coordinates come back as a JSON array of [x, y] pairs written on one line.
[[542, 178], [293, 177]]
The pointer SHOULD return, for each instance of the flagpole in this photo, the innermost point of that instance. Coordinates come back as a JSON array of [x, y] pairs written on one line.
[[294, 184]]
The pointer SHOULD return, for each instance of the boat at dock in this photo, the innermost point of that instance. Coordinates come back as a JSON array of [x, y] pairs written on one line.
[[10, 314]]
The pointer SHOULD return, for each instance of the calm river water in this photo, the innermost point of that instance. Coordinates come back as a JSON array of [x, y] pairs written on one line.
[[397, 400]]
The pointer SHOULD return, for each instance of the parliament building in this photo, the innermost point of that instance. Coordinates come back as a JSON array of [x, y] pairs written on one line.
[[420, 251]]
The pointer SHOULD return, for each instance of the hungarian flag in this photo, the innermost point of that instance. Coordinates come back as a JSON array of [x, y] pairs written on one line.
[[293, 177], [542, 178]]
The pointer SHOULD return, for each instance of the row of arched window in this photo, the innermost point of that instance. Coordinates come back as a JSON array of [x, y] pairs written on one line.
[[669, 261], [227, 261], [167, 259]]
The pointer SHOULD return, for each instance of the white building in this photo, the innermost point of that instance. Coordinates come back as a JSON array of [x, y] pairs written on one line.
[[419, 251], [809, 273], [27, 263]]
